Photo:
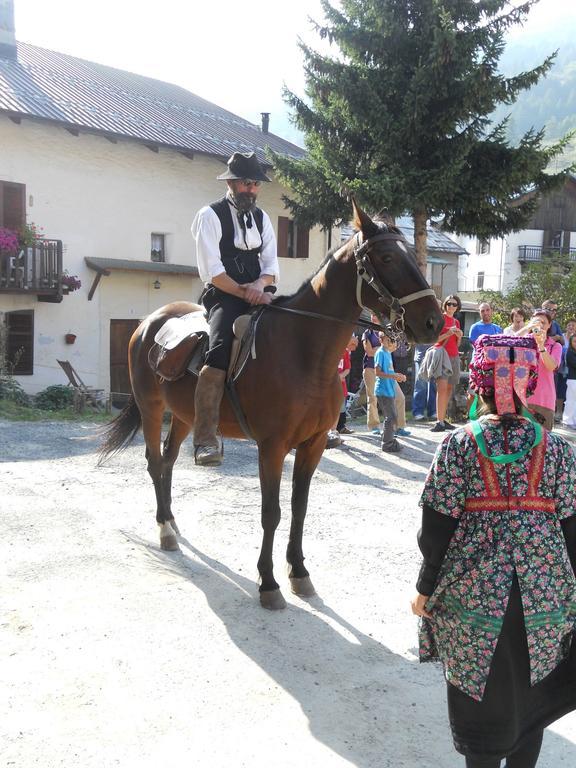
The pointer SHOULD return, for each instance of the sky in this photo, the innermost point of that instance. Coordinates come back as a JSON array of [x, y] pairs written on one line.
[[235, 54]]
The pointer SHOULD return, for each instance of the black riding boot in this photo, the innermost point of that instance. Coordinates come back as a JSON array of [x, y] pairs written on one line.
[[207, 442]]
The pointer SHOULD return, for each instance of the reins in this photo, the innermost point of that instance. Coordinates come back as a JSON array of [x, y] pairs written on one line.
[[367, 274]]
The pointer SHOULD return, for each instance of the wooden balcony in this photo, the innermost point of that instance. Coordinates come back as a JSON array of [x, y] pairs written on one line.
[[36, 270], [532, 253]]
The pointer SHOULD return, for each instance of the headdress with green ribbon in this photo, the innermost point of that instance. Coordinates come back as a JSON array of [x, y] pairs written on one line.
[[501, 367]]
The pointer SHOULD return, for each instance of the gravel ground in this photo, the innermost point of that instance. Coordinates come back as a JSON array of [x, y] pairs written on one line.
[[114, 653]]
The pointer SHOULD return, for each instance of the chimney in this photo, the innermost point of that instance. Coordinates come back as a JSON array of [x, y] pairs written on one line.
[[7, 30], [265, 120]]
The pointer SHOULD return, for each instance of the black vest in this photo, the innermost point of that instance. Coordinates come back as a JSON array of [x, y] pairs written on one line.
[[241, 266]]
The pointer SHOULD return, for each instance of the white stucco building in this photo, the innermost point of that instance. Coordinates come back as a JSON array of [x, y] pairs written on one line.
[[112, 167]]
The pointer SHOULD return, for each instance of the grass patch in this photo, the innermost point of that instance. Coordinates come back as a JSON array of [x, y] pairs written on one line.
[[16, 412]]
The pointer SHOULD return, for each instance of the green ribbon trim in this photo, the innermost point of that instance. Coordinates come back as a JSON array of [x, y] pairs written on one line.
[[477, 620], [559, 616], [504, 458]]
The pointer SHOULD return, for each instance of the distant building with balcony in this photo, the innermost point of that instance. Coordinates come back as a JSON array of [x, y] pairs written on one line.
[[497, 263], [112, 166]]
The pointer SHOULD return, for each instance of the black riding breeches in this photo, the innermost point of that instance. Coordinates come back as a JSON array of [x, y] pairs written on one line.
[[222, 309]]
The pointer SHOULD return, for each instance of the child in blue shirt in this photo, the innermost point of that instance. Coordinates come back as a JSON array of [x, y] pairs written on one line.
[[385, 392]]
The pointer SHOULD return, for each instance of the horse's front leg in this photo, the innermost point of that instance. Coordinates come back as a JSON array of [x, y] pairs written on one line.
[[307, 457], [270, 461]]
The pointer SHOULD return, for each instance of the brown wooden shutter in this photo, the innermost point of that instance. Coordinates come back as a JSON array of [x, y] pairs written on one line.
[[282, 243], [20, 346], [12, 205], [303, 237]]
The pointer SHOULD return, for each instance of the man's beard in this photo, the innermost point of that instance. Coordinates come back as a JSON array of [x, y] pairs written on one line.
[[244, 201]]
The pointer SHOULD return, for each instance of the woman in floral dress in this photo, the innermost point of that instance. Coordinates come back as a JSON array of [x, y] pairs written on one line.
[[497, 590]]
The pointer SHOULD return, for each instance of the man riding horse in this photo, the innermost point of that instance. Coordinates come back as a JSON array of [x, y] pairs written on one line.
[[236, 252]]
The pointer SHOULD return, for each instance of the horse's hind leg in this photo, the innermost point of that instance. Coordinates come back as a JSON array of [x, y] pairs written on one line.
[[307, 457], [270, 460], [178, 432]]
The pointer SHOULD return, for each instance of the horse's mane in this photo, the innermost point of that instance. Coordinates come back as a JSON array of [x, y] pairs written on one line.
[[305, 285], [380, 223]]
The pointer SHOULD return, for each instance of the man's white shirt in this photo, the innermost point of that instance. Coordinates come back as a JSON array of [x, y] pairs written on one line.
[[207, 232]]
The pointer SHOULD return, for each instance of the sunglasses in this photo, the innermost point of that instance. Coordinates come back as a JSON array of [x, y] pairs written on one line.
[[451, 304], [251, 183]]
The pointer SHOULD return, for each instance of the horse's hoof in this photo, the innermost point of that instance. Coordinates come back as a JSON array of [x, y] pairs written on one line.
[[302, 587], [169, 544], [168, 540], [272, 599]]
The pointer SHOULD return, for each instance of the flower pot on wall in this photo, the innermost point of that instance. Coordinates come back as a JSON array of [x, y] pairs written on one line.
[[70, 338]]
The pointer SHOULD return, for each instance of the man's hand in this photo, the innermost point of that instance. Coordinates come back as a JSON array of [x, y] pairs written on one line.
[[253, 293], [400, 378]]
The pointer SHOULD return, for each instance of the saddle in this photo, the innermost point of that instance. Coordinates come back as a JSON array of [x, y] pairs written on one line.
[[180, 346]]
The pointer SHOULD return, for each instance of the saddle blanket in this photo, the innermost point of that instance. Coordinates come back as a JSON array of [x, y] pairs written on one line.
[[176, 329]]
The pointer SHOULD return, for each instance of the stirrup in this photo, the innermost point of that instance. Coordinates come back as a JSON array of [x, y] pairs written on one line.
[[209, 455]]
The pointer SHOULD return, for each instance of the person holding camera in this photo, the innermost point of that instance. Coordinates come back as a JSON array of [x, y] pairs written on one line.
[[543, 400]]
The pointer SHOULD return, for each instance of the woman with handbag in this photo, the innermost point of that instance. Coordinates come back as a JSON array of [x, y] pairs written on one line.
[[449, 339], [497, 588]]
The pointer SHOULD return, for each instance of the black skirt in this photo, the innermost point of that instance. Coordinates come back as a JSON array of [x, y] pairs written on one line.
[[511, 708]]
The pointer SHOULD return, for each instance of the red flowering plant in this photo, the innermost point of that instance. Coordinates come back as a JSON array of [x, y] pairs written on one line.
[[28, 234], [9, 243]]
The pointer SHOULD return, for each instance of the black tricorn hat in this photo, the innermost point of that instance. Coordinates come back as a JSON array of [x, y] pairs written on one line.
[[244, 166]]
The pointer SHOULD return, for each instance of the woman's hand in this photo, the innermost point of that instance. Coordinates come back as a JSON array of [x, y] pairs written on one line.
[[418, 606]]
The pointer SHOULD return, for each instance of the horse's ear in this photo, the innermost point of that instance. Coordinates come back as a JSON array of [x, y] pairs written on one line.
[[363, 222]]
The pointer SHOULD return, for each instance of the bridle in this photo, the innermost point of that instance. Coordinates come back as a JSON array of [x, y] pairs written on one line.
[[367, 274]]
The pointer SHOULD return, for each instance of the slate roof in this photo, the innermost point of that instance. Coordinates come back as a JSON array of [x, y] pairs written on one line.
[[437, 242], [83, 95]]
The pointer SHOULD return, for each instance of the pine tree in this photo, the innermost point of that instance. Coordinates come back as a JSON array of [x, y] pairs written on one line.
[[400, 118]]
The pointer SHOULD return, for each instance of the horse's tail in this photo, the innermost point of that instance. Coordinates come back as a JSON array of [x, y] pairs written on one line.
[[121, 431]]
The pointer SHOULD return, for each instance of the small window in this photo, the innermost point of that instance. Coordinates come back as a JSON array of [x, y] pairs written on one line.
[[293, 241], [20, 341], [480, 281], [482, 245], [158, 247], [12, 205]]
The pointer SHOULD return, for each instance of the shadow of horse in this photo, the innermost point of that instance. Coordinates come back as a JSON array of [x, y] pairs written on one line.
[[370, 706]]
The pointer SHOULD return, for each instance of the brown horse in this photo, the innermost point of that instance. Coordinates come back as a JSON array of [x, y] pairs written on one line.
[[291, 393]]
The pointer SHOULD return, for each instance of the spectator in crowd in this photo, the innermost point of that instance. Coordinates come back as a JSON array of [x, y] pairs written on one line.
[[556, 334], [569, 415], [561, 375], [424, 394], [370, 342], [386, 379], [543, 401], [518, 317], [485, 324], [344, 367], [497, 588], [450, 339], [401, 360], [333, 439]]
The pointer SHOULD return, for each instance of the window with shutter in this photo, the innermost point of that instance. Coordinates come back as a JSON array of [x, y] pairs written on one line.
[[12, 205], [292, 241], [20, 341]]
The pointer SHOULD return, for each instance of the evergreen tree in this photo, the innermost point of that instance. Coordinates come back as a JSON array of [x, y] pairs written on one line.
[[400, 118]]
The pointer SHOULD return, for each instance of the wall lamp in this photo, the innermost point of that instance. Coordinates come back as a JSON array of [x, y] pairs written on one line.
[[157, 285]]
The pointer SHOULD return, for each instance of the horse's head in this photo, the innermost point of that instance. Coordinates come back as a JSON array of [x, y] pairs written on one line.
[[389, 280]]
